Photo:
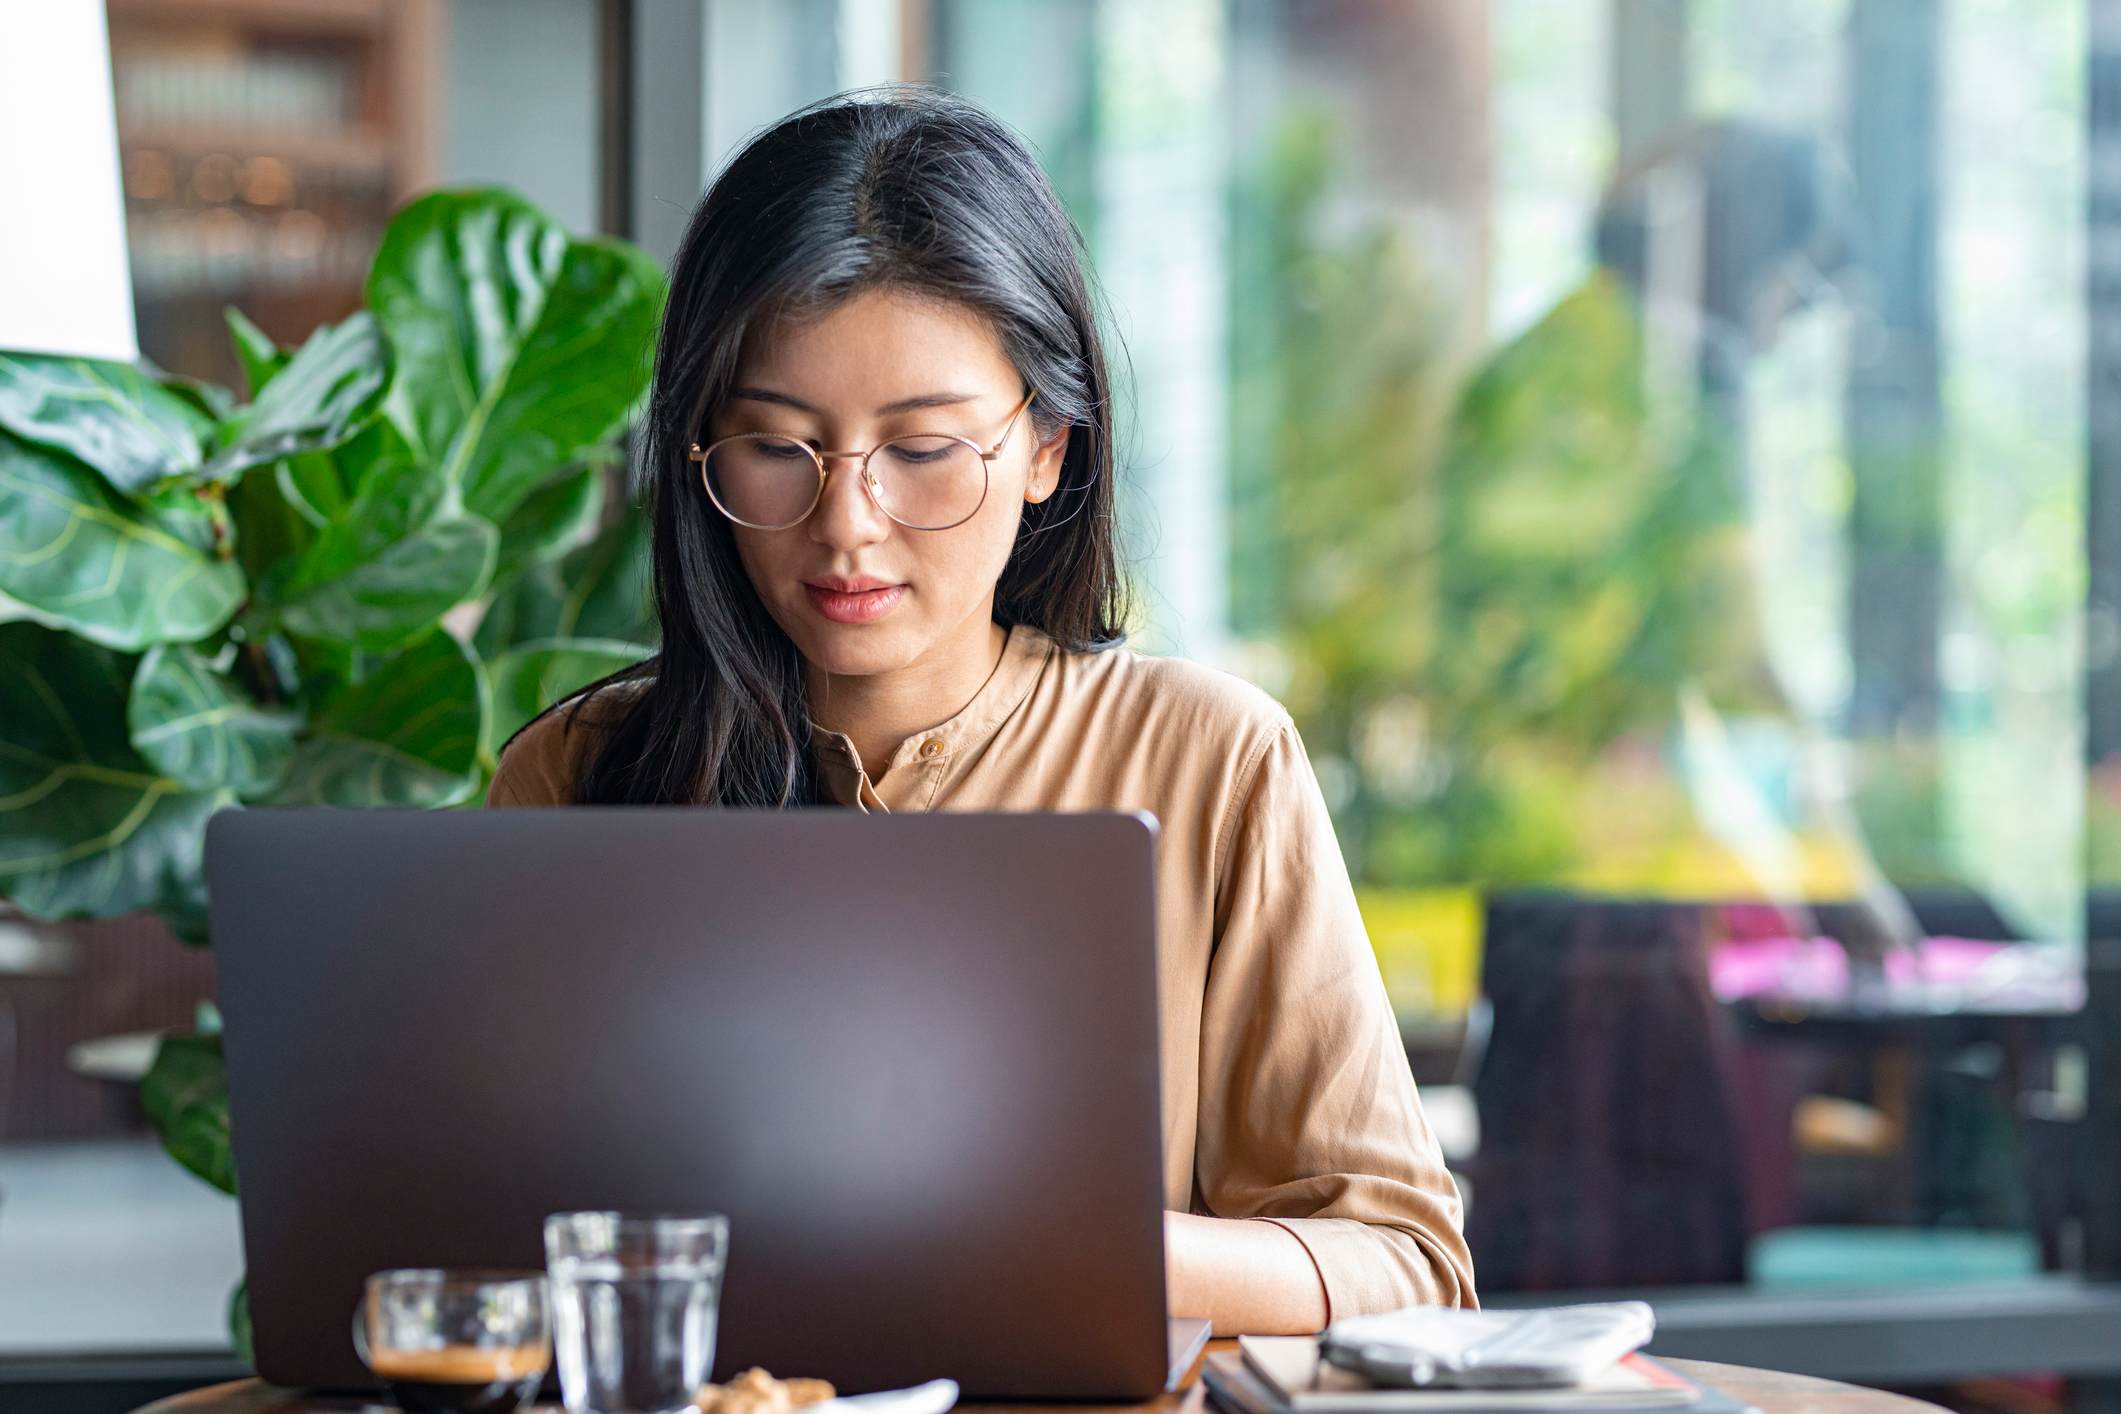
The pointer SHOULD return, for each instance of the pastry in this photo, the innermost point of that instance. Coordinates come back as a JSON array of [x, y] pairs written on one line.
[[757, 1392]]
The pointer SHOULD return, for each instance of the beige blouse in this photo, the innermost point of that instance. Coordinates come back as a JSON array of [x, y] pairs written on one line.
[[1286, 1092]]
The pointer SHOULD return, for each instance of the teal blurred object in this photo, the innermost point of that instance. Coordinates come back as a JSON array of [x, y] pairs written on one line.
[[1889, 1256]]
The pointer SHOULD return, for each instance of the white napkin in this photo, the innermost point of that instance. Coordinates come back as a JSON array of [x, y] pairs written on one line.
[[934, 1397]]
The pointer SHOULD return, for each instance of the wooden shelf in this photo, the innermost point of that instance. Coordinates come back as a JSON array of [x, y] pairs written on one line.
[[309, 18], [345, 93], [351, 150]]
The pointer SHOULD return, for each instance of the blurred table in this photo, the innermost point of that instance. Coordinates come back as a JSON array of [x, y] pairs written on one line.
[[1773, 1392]]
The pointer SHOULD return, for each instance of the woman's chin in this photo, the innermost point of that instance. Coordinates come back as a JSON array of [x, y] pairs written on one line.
[[855, 650]]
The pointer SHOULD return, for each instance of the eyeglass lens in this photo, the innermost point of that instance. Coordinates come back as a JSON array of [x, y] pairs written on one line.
[[927, 482]]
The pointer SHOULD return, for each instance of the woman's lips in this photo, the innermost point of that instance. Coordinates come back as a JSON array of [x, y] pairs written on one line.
[[866, 606]]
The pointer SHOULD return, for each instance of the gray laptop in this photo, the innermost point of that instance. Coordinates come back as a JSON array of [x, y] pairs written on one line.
[[912, 1057]]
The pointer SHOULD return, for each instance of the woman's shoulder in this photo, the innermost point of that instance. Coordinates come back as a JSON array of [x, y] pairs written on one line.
[[541, 762], [1171, 699]]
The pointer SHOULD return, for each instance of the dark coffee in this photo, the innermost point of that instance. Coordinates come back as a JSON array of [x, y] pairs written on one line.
[[461, 1379]]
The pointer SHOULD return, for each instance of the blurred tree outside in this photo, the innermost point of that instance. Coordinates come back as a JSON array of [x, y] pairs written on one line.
[[1481, 593]]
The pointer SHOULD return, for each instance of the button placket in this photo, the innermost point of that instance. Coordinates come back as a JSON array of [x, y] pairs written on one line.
[[926, 760]]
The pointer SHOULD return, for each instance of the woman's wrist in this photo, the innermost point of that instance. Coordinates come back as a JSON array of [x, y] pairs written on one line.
[[1247, 1277]]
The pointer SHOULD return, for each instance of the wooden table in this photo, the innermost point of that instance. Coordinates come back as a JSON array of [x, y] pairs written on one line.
[[1775, 1394]]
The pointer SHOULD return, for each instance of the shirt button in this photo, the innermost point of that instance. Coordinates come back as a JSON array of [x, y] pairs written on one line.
[[933, 746]]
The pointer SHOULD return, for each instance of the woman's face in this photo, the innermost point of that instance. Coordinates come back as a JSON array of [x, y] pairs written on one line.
[[833, 382]]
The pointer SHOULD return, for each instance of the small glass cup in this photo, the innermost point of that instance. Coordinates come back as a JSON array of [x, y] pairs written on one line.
[[449, 1340], [634, 1304]]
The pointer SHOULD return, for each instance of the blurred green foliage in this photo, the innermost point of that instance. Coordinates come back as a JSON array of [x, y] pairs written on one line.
[[1475, 580]]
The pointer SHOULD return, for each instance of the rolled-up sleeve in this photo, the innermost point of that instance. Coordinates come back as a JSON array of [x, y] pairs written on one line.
[[1309, 1116]]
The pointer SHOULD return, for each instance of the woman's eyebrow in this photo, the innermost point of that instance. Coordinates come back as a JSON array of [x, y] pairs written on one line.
[[923, 400]]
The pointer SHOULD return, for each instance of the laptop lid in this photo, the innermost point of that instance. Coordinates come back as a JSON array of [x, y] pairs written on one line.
[[912, 1057]]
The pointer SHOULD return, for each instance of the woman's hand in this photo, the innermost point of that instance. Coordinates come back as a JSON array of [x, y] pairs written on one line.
[[1246, 1275]]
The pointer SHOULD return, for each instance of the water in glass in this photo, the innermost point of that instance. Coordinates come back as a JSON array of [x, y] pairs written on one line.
[[633, 1310]]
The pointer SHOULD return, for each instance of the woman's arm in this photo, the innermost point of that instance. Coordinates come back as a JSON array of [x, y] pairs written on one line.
[[1247, 1277], [1308, 1114]]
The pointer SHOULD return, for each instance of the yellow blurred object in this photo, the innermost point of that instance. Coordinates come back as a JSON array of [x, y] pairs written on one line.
[[1699, 868], [1428, 947], [1427, 941]]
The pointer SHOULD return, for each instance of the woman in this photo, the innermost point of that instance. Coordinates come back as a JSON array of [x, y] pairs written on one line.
[[937, 627]]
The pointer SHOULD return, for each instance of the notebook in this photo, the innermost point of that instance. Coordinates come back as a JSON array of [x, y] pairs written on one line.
[[1284, 1375]]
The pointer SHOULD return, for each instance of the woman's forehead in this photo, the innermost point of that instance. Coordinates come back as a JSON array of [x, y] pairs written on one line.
[[875, 348]]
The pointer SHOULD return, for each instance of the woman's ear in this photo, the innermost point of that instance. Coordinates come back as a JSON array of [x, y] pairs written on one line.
[[1046, 461]]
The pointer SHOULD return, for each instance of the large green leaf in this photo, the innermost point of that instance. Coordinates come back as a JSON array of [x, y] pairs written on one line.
[[528, 679], [599, 591], [215, 401], [315, 484], [384, 569], [407, 734], [261, 358], [202, 730], [277, 517], [239, 1322], [87, 828], [271, 527], [331, 384], [558, 517], [518, 349], [185, 1094], [123, 571], [321, 485], [379, 603], [112, 416]]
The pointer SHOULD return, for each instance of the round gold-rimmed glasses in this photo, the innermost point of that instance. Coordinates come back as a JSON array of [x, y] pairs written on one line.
[[925, 481]]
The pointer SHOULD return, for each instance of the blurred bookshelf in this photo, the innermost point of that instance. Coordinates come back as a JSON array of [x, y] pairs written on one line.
[[264, 144]]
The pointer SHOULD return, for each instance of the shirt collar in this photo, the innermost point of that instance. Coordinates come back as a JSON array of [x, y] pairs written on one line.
[[1024, 655]]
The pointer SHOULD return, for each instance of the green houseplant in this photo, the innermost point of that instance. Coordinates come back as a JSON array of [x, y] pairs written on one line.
[[348, 590]]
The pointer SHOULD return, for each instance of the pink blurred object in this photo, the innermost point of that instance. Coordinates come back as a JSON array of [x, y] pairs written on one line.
[[1753, 967], [1944, 971]]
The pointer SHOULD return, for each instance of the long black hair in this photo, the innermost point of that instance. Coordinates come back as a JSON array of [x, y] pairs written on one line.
[[905, 187]]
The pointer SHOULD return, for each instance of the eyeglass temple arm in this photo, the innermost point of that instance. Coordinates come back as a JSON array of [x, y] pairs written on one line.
[[996, 450]]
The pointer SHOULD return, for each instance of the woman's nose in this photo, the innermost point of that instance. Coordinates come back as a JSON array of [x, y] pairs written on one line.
[[846, 515]]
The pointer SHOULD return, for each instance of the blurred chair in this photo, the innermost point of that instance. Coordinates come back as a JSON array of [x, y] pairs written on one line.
[[109, 977], [1632, 1134], [2092, 1199], [32, 954], [1610, 1154]]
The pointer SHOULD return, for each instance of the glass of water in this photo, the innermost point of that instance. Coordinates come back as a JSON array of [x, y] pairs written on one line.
[[634, 1302]]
